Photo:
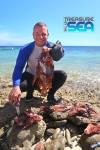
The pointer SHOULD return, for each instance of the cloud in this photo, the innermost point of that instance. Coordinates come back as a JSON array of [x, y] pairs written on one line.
[[7, 38]]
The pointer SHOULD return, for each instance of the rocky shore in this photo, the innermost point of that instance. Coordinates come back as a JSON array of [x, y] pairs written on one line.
[[76, 89]]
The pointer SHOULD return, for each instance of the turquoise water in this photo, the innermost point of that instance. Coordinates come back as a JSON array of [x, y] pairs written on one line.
[[81, 58], [8, 57], [76, 59]]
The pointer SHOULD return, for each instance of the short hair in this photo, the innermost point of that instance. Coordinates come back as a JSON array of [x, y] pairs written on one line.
[[40, 24]]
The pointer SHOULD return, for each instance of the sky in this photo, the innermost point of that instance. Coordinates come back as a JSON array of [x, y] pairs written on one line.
[[17, 18]]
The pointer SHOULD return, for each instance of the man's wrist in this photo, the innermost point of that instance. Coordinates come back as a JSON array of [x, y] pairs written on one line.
[[16, 86]]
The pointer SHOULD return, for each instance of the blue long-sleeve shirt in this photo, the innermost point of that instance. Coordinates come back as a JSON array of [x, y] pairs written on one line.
[[57, 52]]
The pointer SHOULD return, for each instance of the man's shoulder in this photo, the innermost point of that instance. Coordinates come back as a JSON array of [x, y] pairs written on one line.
[[28, 46]]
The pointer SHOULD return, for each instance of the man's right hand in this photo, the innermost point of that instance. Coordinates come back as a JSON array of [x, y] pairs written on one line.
[[15, 95]]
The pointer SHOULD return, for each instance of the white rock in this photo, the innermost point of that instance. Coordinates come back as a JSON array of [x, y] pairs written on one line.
[[74, 144], [67, 148], [68, 137], [48, 140], [56, 133], [77, 148], [74, 138]]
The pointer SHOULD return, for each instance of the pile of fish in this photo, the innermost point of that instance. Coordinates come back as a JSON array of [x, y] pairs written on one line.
[[56, 127]]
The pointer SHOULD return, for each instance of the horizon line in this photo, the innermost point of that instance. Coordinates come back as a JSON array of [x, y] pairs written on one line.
[[62, 45]]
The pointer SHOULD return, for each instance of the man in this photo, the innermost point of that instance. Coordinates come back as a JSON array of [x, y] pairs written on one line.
[[27, 59]]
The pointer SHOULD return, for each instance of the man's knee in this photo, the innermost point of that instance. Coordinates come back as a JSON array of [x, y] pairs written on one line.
[[63, 75], [23, 86]]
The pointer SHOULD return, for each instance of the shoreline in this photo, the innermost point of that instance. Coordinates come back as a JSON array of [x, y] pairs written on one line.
[[77, 88]]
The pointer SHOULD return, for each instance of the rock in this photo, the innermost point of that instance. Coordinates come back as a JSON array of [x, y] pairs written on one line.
[[7, 113], [76, 138], [57, 132], [77, 148], [56, 144], [79, 120], [56, 141], [38, 146], [58, 115], [87, 142], [56, 124], [74, 130], [49, 132], [68, 137], [20, 137], [27, 145], [67, 148]]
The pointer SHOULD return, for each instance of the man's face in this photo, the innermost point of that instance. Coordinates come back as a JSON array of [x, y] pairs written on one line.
[[40, 35]]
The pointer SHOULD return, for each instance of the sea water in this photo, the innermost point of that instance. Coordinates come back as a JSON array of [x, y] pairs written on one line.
[[83, 60]]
